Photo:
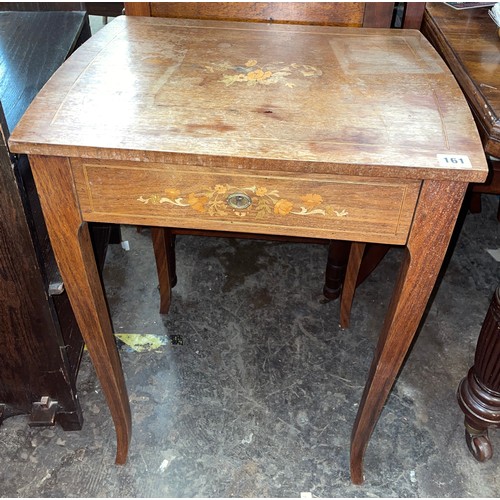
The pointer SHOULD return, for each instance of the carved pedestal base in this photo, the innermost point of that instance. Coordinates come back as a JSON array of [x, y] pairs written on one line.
[[479, 392]]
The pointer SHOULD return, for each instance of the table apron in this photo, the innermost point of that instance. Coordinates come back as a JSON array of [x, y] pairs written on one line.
[[314, 205]]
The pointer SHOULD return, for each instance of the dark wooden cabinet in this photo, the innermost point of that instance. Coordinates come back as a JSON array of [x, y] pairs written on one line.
[[40, 343]]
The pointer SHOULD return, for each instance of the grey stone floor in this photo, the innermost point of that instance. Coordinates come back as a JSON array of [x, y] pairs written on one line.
[[260, 399]]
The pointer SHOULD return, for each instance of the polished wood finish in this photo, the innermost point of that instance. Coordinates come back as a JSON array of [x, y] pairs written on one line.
[[373, 14], [468, 42], [373, 139], [149, 97], [479, 392]]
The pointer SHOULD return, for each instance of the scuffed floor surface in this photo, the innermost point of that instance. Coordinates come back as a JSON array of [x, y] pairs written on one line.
[[259, 398]]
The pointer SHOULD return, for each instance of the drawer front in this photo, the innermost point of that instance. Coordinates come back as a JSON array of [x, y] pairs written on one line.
[[314, 205]]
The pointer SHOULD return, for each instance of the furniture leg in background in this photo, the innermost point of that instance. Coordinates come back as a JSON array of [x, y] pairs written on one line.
[[479, 392]]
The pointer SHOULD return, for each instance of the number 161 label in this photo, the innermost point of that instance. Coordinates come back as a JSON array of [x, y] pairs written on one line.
[[454, 161]]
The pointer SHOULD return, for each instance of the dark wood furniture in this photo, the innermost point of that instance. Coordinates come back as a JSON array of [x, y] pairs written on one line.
[[105, 9], [352, 14], [234, 126], [479, 392], [468, 42], [40, 343]]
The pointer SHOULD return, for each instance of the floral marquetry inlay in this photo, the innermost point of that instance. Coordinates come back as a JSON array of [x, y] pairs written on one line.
[[254, 73], [214, 201]]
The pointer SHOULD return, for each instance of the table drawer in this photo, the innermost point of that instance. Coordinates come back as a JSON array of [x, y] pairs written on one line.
[[315, 205]]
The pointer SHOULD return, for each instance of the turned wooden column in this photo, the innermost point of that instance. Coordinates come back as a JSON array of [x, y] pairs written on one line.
[[479, 392]]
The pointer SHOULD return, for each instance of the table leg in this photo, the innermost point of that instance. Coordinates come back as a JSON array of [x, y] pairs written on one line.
[[432, 227], [72, 247]]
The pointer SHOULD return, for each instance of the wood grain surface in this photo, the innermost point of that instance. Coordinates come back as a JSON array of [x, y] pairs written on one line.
[[317, 98], [323, 13]]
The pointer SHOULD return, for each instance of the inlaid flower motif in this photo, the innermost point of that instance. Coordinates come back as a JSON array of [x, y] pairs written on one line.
[[220, 188], [312, 200], [213, 201], [283, 207], [172, 193], [270, 73], [197, 203]]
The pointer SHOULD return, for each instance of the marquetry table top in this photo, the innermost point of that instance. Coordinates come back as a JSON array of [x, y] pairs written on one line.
[[343, 100]]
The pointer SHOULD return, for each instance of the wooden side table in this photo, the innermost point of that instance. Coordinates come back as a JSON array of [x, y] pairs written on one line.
[[353, 134]]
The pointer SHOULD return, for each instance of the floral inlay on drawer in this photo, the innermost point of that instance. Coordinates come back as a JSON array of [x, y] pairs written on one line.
[[254, 73], [214, 198], [254, 200]]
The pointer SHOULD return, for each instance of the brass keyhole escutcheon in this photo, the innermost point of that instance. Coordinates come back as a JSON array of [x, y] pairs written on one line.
[[239, 201]]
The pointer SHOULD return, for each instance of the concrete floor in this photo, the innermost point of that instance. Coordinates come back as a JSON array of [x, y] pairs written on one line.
[[260, 398]]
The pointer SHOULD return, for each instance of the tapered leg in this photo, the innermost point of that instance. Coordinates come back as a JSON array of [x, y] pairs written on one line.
[[350, 281], [164, 248], [70, 240], [435, 217]]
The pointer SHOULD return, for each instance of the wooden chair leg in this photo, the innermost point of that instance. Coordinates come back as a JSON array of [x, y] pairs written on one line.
[[164, 249], [350, 282], [475, 203], [338, 256], [374, 253]]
